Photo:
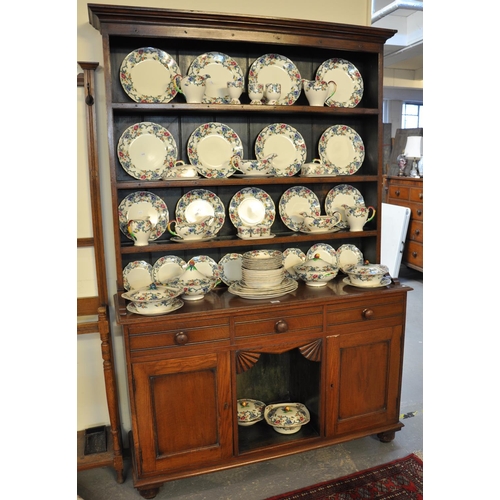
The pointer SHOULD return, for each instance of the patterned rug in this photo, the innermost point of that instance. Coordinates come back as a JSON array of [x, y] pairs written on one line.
[[400, 479]]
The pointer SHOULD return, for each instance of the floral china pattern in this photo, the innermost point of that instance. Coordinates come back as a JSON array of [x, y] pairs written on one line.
[[284, 415], [203, 195], [250, 410], [137, 274], [257, 194], [174, 264], [287, 211], [207, 266], [148, 53], [358, 150], [153, 293], [146, 128]]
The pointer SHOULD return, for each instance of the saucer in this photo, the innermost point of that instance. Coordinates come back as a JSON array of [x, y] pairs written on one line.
[[272, 235], [384, 282], [176, 304], [192, 240]]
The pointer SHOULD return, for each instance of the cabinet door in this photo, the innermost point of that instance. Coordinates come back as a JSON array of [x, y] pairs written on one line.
[[363, 380], [183, 412]]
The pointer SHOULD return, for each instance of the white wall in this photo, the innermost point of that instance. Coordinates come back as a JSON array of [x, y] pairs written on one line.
[[92, 409]]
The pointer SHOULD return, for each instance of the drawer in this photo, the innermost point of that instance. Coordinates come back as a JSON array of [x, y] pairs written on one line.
[[175, 333], [417, 211], [414, 254], [416, 231], [398, 193], [363, 311], [309, 318], [417, 194]]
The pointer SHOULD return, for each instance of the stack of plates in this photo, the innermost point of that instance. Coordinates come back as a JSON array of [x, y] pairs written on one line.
[[263, 276]]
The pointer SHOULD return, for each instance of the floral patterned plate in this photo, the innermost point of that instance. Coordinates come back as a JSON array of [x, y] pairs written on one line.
[[383, 282], [167, 268], [222, 69], [343, 194], [210, 148], [274, 68], [251, 206], [325, 251], [348, 79], [143, 204], [197, 204], [230, 266], [161, 309], [295, 201], [146, 75], [341, 150], [146, 151], [207, 266], [291, 258], [287, 143], [349, 255], [137, 274]]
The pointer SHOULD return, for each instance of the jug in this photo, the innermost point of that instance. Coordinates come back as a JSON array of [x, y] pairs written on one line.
[[192, 86], [358, 216], [140, 231], [318, 91]]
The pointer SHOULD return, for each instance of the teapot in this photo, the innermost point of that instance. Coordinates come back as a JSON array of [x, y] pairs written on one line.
[[254, 167], [192, 86], [318, 91]]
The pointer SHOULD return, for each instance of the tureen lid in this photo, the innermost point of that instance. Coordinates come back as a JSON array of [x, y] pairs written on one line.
[[367, 269], [286, 414], [153, 293], [250, 409]]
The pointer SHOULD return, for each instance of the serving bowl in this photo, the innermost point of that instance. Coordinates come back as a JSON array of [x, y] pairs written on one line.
[[194, 284], [250, 411], [321, 223], [366, 274], [153, 298], [316, 271], [287, 418]]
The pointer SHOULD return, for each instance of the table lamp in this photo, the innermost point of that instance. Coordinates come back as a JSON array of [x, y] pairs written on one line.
[[413, 150]]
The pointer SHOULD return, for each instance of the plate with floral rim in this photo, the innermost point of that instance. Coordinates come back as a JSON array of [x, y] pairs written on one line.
[[275, 68], [343, 194], [167, 268], [348, 80], [295, 201], [349, 255], [207, 266], [137, 274], [210, 148], [230, 266], [325, 251], [292, 257], [147, 75], [287, 143], [147, 151], [140, 205], [386, 280], [251, 206], [341, 150], [162, 309], [197, 204], [222, 69]]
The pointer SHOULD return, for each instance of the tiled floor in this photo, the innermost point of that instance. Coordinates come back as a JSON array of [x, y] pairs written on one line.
[[262, 480]]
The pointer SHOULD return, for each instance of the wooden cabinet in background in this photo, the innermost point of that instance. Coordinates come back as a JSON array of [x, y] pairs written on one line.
[[409, 192]]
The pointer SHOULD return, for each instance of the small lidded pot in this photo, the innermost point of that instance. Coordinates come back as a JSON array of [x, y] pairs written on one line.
[[250, 411], [366, 274], [316, 271]]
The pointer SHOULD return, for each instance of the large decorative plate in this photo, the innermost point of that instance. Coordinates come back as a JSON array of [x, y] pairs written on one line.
[[198, 204], [146, 151], [287, 143], [207, 266], [167, 268], [274, 68], [142, 204], [230, 266], [294, 202], [292, 257], [147, 75], [341, 150], [222, 69], [325, 251], [348, 79], [137, 274], [343, 194], [349, 255], [211, 147], [251, 206]]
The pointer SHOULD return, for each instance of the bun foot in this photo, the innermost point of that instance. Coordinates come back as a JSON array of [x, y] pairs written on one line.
[[386, 437], [149, 493]]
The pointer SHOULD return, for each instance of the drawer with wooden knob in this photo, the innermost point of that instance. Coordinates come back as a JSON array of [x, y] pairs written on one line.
[[414, 254], [416, 231]]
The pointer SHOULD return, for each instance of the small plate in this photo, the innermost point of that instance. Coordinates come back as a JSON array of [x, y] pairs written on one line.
[[348, 79], [166, 268], [251, 206], [137, 274], [349, 255], [343, 194], [147, 75], [176, 304], [210, 148], [222, 69], [293, 202], [197, 204], [143, 204], [146, 151], [383, 282], [341, 150], [326, 252], [287, 143], [292, 257], [230, 266], [275, 68]]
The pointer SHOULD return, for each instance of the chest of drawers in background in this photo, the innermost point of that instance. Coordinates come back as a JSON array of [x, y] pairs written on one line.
[[409, 192]]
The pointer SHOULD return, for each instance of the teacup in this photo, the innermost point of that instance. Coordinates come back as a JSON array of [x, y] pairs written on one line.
[[260, 231], [358, 216], [245, 232], [140, 231], [273, 93]]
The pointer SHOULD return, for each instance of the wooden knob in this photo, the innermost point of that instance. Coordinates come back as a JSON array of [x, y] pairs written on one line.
[[281, 326], [397, 193], [414, 254], [367, 313], [417, 231], [419, 212], [420, 196], [181, 338]]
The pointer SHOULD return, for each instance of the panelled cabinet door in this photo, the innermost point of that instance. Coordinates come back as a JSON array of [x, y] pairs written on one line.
[[363, 380], [183, 411]]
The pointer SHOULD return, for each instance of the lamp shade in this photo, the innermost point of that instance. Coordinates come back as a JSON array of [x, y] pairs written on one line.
[[413, 147]]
